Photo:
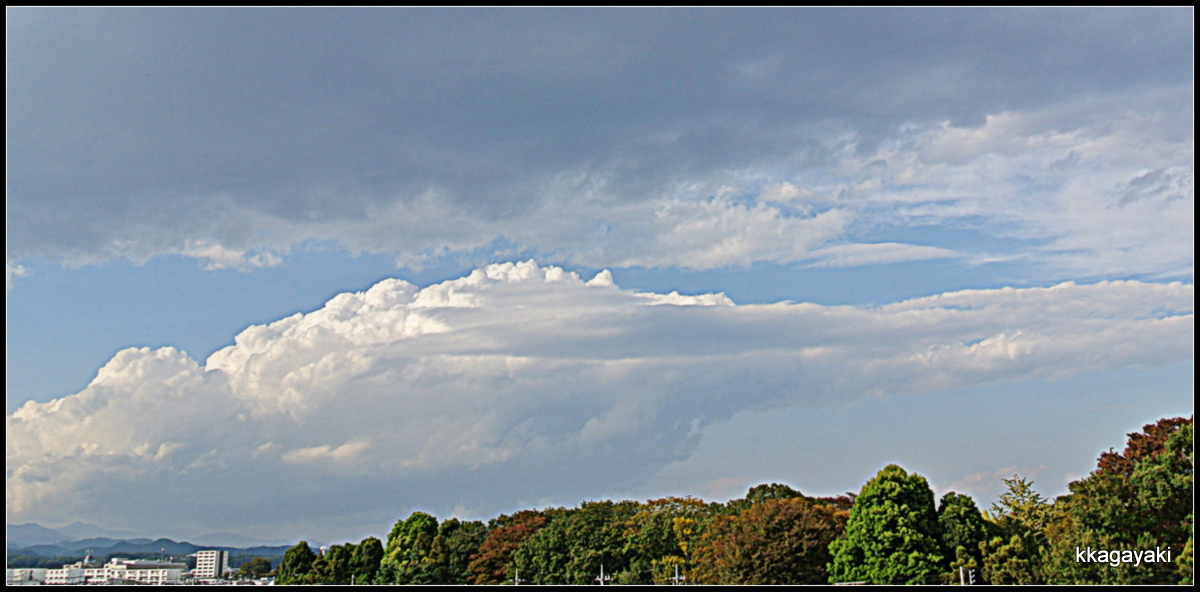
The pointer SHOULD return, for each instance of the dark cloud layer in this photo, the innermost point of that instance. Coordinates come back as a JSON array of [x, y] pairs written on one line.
[[133, 132]]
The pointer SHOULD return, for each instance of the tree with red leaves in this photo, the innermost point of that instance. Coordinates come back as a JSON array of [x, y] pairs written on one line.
[[491, 564]]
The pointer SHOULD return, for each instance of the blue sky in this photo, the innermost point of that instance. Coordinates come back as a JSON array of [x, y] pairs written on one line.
[[635, 253]]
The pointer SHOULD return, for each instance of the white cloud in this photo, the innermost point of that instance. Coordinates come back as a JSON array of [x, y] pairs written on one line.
[[517, 383], [326, 454], [219, 257], [987, 484], [12, 270], [718, 233], [1100, 187], [876, 253]]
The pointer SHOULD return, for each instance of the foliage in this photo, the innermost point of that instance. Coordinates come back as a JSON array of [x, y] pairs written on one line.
[[892, 536], [456, 543], [963, 529], [777, 541], [255, 568], [1016, 560], [1019, 518], [762, 493], [1184, 563], [889, 533], [365, 560], [1145, 444], [1139, 500], [297, 563], [574, 547], [492, 564], [405, 534], [1020, 508], [840, 502], [408, 557], [660, 539]]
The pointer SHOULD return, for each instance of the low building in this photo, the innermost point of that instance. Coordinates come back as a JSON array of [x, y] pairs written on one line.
[[24, 575], [117, 570], [145, 572], [75, 573]]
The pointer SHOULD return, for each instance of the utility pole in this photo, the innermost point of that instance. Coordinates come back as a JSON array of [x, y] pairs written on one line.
[[962, 579], [517, 577], [602, 578]]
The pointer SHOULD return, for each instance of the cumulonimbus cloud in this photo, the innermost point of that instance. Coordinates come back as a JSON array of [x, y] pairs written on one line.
[[519, 382]]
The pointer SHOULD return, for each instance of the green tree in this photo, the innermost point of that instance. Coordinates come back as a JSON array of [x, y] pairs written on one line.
[[1013, 561], [341, 562], [297, 563], [1021, 506], [453, 548], [1020, 517], [963, 529], [575, 545], [407, 557], [318, 573], [1164, 484], [892, 535], [1184, 564], [255, 568], [365, 560], [1138, 500], [661, 536]]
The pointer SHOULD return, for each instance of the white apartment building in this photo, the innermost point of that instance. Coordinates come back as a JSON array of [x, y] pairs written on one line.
[[211, 564]]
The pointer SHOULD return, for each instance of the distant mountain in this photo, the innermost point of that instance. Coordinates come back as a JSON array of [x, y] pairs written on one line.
[[78, 530], [79, 536], [99, 543], [101, 547], [229, 539], [167, 546], [36, 541], [24, 535]]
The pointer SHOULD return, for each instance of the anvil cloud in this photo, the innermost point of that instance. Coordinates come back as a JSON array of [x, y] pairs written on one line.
[[527, 379]]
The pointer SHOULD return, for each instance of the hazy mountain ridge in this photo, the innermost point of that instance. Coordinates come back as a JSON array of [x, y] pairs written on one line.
[[78, 531], [167, 547], [35, 539], [32, 534]]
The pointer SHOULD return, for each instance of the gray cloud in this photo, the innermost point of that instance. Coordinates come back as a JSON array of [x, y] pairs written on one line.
[[135, 132]]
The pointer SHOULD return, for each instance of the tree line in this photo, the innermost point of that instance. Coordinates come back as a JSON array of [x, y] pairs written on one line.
[[891, 532]]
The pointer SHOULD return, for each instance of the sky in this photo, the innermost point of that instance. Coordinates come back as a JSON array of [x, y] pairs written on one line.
[[295, 273]]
